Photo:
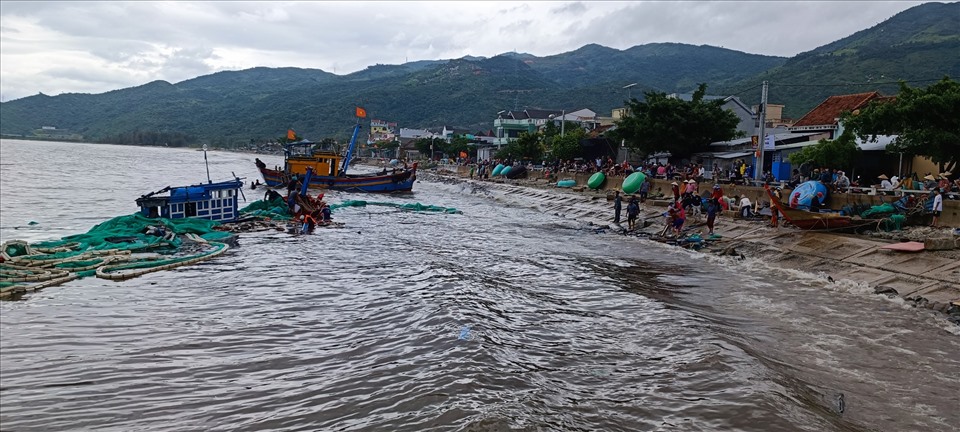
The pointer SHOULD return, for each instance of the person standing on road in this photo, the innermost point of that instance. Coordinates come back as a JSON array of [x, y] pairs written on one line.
[[644, 190], [713, 207], [937, 206], [633, 210]]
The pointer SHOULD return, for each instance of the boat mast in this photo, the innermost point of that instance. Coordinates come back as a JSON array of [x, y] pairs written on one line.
[[353, 141], [206, 163]]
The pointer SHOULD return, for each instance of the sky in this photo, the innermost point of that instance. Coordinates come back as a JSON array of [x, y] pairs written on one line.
[[95, 47]]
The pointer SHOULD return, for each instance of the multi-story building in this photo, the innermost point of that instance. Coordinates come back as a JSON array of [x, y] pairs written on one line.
[[510, 124], [381, 130]]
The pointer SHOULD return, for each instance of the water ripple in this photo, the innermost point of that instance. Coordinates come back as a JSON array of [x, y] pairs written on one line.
[[500, 318]]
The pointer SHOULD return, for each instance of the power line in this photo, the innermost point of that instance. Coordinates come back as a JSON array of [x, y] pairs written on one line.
[[746, 90], [853, 83]]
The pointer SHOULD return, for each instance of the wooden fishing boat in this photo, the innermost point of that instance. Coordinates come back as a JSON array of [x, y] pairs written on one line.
[[330, 169], [807, 220], [212, 201]]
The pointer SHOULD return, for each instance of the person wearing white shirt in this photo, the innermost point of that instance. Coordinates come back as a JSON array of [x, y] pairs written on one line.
[[843, 182], [937, 206], [746, 207]]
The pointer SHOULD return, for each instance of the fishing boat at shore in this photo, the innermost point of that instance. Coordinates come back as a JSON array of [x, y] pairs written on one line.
[[807, 220], [211, 201], [330, 168]]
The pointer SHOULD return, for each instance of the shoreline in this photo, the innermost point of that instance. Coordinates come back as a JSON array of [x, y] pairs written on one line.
[[929, 279]]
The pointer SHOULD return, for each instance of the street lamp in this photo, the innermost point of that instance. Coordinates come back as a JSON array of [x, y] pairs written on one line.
[[627, 88], [500, 130]]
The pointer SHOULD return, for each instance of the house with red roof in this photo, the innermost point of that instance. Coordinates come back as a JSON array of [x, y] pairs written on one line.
[[826, 116]]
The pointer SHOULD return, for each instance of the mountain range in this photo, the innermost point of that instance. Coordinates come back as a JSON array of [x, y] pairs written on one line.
[[919, 45]]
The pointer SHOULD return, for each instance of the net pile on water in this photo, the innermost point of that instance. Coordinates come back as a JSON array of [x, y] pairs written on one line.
[[268, 209], [129, 246], [120, 248], [278, 209], [406, 207]]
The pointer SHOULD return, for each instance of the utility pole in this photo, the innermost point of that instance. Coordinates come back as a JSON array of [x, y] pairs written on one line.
[[563, 122], [762, 139]]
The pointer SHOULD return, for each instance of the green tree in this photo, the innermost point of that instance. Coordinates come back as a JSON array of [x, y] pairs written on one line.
[[423, 145], [660, 123], [456, 145], [528, 146], [839, 153], [925, 120], [567, 147]]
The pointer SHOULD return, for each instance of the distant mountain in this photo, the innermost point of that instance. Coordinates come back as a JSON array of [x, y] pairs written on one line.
[[669, 67], [920, 43], [262, 103]]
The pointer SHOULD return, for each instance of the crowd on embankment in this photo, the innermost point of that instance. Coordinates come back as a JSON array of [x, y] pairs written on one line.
[[736, 187], [928, 279]]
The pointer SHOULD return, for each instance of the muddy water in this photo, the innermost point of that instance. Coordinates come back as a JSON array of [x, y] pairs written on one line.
[[503, 317]]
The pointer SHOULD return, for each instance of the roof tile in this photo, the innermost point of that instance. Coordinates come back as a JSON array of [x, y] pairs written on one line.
[[829, 110]]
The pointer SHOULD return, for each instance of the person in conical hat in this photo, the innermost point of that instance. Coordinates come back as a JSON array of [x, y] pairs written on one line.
[[885, 184], [883, 177]]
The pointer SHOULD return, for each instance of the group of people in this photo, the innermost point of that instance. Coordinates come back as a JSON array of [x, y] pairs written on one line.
[[310, 212], [685, 200]]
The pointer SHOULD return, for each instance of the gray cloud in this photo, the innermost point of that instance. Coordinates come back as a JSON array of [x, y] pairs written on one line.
[[119, 44]]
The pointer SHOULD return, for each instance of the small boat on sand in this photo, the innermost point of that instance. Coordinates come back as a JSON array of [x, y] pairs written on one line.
[[808, 220]]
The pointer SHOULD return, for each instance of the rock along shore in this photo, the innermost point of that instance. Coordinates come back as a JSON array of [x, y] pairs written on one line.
[[928, 279]]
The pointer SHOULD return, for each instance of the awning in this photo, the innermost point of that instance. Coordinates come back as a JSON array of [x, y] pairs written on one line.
[[727, 155], [882, 142]]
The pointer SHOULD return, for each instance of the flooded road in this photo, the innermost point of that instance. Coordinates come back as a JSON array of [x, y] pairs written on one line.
[[499, 318]]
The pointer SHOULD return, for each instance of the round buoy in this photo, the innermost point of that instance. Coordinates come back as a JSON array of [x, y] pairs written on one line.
[[496, 170], [632, 183], [596, 180]]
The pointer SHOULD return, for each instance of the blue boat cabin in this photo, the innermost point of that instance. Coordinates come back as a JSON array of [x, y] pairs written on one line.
[[213, 201]]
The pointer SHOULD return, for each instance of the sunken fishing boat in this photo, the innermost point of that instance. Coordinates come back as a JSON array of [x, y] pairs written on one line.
[[216, 201]]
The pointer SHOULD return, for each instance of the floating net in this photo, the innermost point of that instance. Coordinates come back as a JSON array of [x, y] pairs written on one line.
[[268, 209], [406, 207], [129, 246], [120, 248]]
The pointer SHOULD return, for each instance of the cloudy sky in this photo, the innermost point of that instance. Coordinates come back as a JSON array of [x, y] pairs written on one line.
[[93, 47]]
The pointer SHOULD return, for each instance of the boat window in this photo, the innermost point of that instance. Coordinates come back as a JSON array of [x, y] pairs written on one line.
[[191, 209]]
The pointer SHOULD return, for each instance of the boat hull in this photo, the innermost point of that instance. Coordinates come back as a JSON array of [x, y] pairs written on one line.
[[806, 220], [401, 181]]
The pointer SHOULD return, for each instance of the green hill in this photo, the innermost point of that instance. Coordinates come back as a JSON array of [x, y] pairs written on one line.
[[234, 107], [921, 43]]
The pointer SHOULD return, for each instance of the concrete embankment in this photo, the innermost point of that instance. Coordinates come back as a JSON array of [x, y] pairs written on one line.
[[929, 279]]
